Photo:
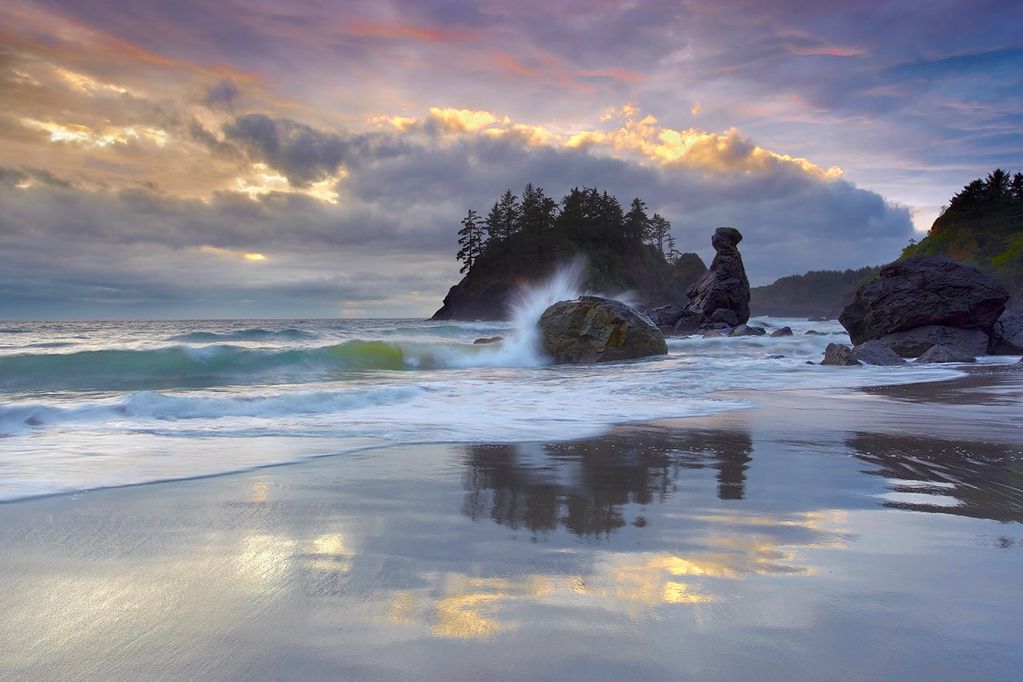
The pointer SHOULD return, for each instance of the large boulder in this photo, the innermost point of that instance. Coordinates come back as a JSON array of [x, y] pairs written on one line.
[[1007, 332], [921, 291], [914, 342], [595, 329], [722, 294]]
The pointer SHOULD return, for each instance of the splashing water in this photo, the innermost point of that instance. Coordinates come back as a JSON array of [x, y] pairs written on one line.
[[566, 284]]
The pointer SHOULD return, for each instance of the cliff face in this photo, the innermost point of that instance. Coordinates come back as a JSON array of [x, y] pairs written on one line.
[[488, 289]]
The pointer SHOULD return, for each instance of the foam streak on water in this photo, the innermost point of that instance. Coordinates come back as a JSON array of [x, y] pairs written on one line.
[[91, 404]]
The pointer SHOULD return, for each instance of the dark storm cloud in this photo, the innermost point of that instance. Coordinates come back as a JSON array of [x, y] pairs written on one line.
[[302, 153], [222, 94]]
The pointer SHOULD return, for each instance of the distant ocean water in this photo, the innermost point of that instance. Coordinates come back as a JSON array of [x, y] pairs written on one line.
[[93, 404]]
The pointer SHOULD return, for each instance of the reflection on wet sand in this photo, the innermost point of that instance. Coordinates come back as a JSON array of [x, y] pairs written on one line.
[[655, 552], [981, 480], [583, 485]]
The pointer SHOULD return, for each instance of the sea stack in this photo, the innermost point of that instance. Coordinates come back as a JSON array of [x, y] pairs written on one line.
[[722, 294]]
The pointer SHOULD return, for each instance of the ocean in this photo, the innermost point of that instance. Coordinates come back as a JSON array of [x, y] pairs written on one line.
[[86, 405]]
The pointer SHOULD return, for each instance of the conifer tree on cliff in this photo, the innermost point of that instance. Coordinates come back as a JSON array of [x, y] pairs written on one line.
[[1017, 186], [637, 223], [660, 234], [471, 240], [997, 185]]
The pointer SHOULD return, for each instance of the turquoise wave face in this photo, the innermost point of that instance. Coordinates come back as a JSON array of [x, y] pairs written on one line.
[[183, 367]]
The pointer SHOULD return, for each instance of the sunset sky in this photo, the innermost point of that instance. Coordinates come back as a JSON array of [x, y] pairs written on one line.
[[275, 159]]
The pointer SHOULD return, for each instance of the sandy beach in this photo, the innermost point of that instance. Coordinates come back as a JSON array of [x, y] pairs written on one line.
[[840, 534]]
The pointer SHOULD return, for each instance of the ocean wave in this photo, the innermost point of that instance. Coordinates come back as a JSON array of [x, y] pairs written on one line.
[[183, 366], [151, 405], [255, 334], [207, 366]]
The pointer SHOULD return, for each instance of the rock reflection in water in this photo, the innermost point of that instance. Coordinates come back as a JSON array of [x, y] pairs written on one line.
[[979, 480], [584, 485]]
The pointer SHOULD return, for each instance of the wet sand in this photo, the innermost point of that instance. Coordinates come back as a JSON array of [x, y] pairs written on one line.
[[861, 534]]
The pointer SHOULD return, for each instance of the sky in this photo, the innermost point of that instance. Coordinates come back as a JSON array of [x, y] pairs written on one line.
[[261, 158]]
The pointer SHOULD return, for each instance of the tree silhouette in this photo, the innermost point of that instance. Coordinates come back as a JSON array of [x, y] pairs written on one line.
[[471, 240], [637, 223]]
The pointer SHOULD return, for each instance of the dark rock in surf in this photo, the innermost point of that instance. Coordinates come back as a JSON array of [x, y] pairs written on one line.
[[487, 340], [1007, 332], [666, 316], [746, 330], [923, 291], [876, 353], [914, 342], [595, 329], [722, 294], [689, 323], [940, 353], [837, 354], [783, 331]]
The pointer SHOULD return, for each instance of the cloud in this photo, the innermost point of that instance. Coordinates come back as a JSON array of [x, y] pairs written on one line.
[[328, 204], [222, 94]]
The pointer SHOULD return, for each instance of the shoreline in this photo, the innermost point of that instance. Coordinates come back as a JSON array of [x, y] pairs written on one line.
[[936, 392], [789, 539]]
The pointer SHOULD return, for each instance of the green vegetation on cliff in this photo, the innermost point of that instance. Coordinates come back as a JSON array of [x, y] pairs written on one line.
[[524, 238], [818, 293], [983, 226]]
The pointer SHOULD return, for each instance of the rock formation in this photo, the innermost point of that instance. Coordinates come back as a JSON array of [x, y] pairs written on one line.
[[595, 329], [837, 354], [1007, 332], [914, 342], [876, 353], [924, 291], [940, 353], [722, 294]]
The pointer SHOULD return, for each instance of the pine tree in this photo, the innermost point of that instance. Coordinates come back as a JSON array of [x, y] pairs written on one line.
[[508, 208], [660, 232], [997, 185], [471, 240], [637, 223], [1017, 186], [673, 253]]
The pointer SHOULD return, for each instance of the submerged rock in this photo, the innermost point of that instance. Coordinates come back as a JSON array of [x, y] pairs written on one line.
[[746, 330], [914, 342], [595, 329], [876, 353], [837, 354], [940, 353], [487, 339], [922, 291], [689, 323], [783, 331], [722, 294]]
